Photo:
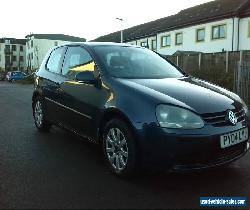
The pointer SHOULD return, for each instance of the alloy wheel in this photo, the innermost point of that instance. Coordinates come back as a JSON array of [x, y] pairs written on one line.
[[38, 113], [117, 149]]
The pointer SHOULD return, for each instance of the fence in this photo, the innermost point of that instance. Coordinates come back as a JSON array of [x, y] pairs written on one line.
[[220, 68], [242, 80]]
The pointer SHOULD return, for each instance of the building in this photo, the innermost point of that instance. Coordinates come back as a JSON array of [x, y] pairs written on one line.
[[12, 54], [38, 45], [220, 25]]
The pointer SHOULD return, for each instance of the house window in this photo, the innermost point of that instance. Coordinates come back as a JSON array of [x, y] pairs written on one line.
[[56, 43], [178, 38], [153, 45], [144, 44], [13, 58], [31, 43], [13, 47], [7, 59], [28, 44], [200, 35], [21, 58], [31, 56], [21, 48], [219, 32], [249, 29], [165, 41]]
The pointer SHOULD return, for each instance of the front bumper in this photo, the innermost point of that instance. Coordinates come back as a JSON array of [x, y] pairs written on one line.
[[187, 150], [208, 160]]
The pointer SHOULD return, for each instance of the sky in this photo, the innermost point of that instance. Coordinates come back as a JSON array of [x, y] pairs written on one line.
[[82, 18]]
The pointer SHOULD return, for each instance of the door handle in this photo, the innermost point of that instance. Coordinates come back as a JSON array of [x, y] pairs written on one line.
[[60, 90]]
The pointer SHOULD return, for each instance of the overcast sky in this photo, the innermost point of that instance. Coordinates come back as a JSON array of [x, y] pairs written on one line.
[[82, 18]]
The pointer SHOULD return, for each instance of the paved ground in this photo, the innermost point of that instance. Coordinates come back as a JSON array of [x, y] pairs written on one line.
[[59, 170]]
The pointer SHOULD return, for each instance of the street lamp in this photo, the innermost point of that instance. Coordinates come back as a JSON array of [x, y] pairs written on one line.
[[120, 19]]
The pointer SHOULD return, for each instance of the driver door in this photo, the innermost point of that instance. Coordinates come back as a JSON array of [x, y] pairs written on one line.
[[82, 101]]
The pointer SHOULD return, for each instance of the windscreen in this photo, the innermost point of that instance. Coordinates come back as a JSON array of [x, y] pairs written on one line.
[[135, 63]]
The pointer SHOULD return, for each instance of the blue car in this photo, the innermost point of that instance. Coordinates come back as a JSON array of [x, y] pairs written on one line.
[[141, 109], [15, 75]]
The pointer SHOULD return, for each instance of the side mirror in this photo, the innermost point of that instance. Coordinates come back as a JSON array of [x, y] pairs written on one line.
[[86, 77]]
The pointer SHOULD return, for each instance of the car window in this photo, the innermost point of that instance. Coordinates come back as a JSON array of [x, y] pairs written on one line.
[[54, 61], [135, 63], [16, 73], [77, 59]]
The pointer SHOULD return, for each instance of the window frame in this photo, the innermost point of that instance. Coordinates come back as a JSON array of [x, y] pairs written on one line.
[[12, 59], [13, 48], [248, 29], [152, 44], [176, 34], [144, 42], [165, 36], [61, 60], [215, 26], [197, 35]]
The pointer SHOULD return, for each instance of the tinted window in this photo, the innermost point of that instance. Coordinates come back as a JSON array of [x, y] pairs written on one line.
[[16, 73], [132, 62], [54, 61], [77, 59]]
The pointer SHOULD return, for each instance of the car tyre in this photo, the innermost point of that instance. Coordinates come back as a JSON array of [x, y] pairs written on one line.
[[119, 148], [41, 123]]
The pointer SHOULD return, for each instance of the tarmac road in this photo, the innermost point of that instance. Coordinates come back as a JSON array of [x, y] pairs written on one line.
[[60, 170]]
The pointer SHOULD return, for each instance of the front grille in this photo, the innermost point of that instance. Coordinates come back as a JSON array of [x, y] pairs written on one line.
[[219, 119]]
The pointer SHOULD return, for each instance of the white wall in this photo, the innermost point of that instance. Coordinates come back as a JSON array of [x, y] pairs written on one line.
[[132, 42], [209, 45], [2, 56], [19, 53], [148, 40], [244, 38], [16, 53], [189, 39], [39, 50]]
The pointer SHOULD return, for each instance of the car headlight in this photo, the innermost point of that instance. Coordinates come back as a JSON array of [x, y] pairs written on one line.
[[175, 117]]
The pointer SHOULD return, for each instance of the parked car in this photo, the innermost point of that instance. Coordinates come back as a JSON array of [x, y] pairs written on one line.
[[15, 75], [141, 109]]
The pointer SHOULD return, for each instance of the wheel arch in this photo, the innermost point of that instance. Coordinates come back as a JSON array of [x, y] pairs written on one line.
[[35, 94], [112, 113]]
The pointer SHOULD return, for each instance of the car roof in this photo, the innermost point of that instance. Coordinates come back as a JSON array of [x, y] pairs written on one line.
[[92, 44]]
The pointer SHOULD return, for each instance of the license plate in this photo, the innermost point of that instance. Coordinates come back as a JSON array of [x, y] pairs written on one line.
[[233, 138]]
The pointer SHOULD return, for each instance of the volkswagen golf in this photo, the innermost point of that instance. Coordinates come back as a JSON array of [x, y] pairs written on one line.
[[139, 107]]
